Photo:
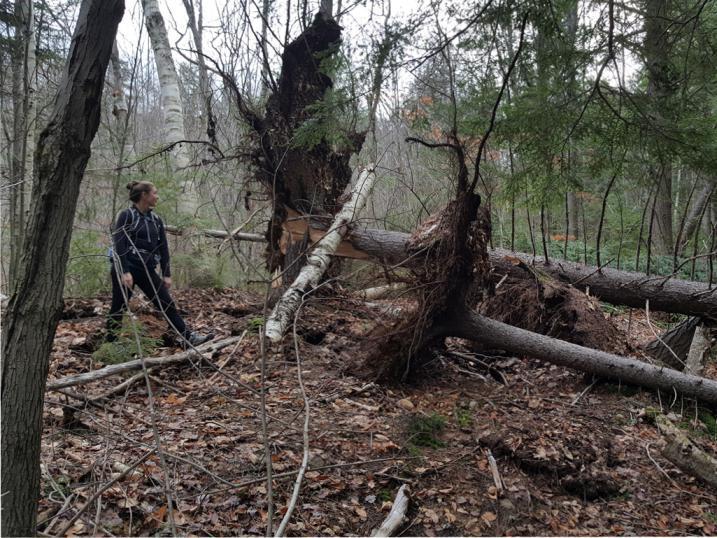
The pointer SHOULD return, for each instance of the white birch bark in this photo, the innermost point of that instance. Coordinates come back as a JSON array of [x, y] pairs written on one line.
[[318, 261], [396, 516], [168, 82]]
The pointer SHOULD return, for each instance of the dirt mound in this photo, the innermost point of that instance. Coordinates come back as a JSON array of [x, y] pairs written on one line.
[[543, 305]]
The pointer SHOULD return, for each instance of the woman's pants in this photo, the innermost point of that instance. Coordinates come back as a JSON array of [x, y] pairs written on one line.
[[153, 287]]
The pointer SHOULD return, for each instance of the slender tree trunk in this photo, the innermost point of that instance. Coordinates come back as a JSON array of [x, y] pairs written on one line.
[[196, 26], [36, 303], [120, 110], [660, 90], [265, 68], [168, 81], [695, 214], [23, 144]]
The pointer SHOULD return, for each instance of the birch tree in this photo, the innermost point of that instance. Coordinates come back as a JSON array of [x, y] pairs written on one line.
[[168, 83]]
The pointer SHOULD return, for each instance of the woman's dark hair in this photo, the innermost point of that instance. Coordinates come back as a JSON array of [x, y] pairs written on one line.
[[136, 188]]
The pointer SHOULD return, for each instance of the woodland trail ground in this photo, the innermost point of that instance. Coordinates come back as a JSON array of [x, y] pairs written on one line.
[[575, 458]]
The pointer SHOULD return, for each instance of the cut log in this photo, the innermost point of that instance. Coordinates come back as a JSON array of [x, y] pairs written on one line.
[[318, 261], [204, 351], [498, 335], [396, 516], [687, 456], [609, 285]]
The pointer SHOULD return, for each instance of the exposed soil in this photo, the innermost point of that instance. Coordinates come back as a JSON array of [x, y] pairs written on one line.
[[574, 458]]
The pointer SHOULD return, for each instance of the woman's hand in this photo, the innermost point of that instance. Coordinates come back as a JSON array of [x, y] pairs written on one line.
[[127, 280], [167, 282]]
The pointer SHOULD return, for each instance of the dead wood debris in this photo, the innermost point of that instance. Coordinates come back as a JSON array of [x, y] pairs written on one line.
[[566, 469]]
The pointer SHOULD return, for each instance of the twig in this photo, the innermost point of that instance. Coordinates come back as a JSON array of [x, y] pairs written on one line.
[[305, 460], [226, 361], [497, 480], [99, 492], [583, 393], [119, 388]]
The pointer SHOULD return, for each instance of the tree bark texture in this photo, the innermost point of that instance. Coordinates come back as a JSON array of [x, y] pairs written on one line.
[[499, 335], [36, 303]]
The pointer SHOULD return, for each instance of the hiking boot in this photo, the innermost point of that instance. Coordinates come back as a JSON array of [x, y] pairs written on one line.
[[196, 339]]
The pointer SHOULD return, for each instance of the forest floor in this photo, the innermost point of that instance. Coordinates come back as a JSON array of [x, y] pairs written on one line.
[[573, 457]]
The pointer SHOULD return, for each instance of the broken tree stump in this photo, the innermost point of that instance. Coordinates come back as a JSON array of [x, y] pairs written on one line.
[[318, 261]]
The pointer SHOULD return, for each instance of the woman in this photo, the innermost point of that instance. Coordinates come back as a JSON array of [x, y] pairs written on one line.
[[140, 244]]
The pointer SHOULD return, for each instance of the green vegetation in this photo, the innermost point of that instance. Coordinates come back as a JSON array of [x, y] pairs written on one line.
[[423, 430], [125, 347]]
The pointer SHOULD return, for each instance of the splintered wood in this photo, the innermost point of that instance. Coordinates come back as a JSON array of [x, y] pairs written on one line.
[[318, 261]]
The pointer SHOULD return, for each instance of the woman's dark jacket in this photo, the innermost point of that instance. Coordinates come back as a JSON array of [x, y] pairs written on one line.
[[139, 239]]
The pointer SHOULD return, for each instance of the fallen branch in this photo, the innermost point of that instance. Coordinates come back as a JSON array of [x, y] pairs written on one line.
[[318, 261], [681, 451], [397, 514], [204, 351], [219, 234], [497, 335]]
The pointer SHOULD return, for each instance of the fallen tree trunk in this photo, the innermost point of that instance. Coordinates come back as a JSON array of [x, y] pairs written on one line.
[[318, 261], [498, 335], [205, 350], [681, 451], [609, 285]]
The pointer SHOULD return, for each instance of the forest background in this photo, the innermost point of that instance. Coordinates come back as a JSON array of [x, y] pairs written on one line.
[[603, 149]]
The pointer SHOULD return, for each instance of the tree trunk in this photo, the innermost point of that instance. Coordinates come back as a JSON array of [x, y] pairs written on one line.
[[497, 335], [662, 224], [23, 143], [120, 110], [196, 26], [168, 82], [609, 285], [36, 303], [695, 215], [660, 90]]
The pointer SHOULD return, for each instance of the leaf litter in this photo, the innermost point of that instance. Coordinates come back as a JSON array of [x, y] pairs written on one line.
[[566, 467]]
